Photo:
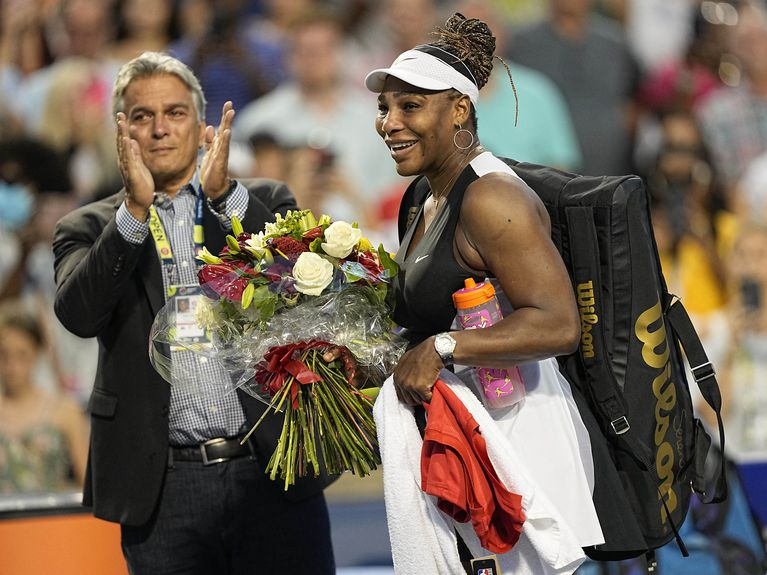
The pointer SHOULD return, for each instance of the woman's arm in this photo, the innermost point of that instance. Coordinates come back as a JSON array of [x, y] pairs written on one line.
[[504, 229]]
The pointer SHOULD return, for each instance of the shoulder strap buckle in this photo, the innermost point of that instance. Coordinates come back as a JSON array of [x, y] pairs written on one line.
[[620, 425]]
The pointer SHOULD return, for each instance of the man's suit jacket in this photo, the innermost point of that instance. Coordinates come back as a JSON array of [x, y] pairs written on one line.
[[112, 289]]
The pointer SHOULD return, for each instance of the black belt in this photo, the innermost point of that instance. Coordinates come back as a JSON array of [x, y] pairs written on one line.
[[212, 451]]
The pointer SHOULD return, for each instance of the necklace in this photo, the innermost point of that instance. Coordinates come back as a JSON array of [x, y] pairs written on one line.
[[445, 191]]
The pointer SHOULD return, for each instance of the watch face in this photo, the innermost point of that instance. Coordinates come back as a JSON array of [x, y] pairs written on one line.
[[444, 344]]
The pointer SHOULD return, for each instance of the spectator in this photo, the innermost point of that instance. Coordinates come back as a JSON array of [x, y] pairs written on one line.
[[43, 436], [232, 65], [658, 31], [745, 369], [734, 120], [75, 121], [588, 59], [80, 29], [303, 168], [271, 30], [693, 229], [544, 133], [390, 28], [315, 110], [31, 201], [749, 197], [684, 82], [24, 48], [143, 25]]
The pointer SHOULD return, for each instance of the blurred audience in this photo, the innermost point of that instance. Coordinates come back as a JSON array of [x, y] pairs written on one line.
[[544, 133], [329, 119], [31, 202], [43, 435], [733, 120], [143, 25], [24, 191], [390, 28], [81, 29], [588, 58], [231, 63], [685, 81], [24, 47], [693, 229], [76, 121], [750, 193], [658, 31], [744, 372]]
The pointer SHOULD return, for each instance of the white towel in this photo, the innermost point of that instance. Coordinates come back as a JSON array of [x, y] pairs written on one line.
[[423, 538]]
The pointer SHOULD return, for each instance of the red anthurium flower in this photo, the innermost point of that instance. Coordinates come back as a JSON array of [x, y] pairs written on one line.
[[228, 279], [282, 364], [311, 235], [371, 263]]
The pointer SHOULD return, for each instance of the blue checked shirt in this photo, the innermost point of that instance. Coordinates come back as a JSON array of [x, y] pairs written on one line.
[[200, 407]]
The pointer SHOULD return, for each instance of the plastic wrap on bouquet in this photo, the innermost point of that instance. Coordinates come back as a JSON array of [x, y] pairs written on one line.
[[354, 318], [298, 316]]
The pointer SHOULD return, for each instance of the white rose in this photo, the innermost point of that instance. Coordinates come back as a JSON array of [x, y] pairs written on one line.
[[312, 273], [340, 239]]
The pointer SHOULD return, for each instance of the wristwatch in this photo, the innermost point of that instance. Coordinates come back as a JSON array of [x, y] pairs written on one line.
[[445, 346]]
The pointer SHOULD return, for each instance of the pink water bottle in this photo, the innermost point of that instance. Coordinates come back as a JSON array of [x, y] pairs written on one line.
[[477, 307]]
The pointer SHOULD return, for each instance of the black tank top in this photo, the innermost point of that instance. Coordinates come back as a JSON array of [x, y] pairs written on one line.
[[430, 274]]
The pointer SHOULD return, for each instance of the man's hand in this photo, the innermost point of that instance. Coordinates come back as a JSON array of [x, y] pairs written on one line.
[[214, 169], [351, 369], [417, 372], [137, 179]]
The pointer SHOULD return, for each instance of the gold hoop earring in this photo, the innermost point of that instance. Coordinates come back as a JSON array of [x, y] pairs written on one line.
[[455, 139]]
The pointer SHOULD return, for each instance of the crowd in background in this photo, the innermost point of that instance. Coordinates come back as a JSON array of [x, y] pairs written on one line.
[[672, 90]]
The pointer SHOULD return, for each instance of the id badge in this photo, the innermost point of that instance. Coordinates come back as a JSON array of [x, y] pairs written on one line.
[[485, 566], [186, 301]]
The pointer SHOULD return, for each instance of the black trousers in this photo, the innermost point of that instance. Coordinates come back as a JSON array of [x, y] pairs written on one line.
[[229, 519]]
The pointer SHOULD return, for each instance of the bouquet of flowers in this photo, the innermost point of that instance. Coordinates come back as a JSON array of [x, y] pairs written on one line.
[[298, 315]]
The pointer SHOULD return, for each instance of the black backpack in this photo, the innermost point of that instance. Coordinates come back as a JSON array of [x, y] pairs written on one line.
[[628, 376]]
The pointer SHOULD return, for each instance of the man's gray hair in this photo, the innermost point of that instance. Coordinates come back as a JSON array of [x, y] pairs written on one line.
[[156, 64]]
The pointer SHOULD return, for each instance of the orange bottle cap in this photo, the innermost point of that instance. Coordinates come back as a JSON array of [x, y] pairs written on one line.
[[473, 294]]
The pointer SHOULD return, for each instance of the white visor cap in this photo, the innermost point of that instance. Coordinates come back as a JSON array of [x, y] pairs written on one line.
[[423, 71]]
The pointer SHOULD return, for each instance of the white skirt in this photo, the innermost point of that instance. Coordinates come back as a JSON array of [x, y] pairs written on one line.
[[548, 435]]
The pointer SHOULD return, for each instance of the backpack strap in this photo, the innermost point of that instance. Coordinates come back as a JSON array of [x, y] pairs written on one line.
[[705, 377], [603, 387]]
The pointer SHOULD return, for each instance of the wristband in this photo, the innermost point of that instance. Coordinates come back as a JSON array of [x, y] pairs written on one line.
[[220, 201]]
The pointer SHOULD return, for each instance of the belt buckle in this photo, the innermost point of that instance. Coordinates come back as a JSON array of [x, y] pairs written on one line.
[[204, 451]]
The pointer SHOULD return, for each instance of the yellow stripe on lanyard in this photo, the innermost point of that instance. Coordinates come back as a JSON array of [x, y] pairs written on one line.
[[161, 243], [199, 237]]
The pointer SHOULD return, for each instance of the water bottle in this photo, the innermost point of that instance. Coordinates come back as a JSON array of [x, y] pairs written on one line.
[[477, 307]]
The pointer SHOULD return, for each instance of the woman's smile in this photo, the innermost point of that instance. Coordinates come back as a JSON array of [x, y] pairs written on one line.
[[400, 150]]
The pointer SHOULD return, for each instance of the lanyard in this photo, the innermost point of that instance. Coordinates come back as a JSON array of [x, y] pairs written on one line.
[[160, 237]]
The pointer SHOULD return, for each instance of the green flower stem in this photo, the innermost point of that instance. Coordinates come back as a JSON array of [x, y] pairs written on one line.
[[329, 417], [274, 405]]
